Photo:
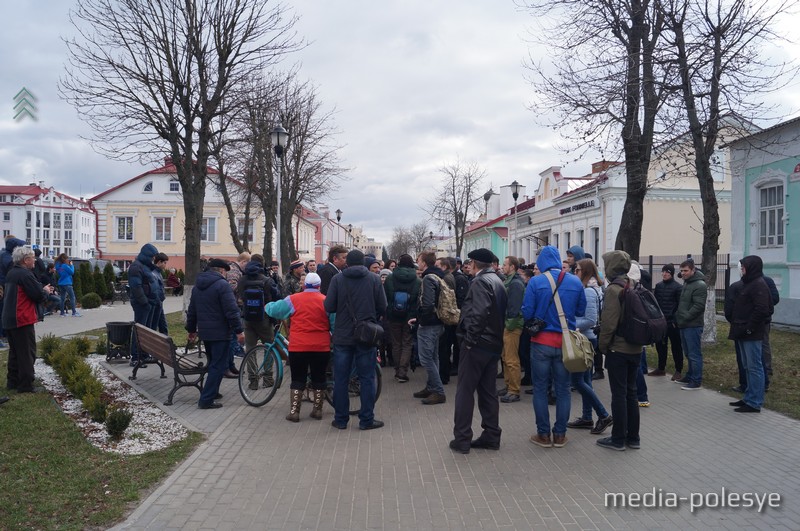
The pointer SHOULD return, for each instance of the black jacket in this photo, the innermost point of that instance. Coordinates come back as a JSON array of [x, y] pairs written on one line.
[[213, 312], [254, 277], [462, 287], [667, 294], [748, 305], [326, 274], [429, 296], [483, 314], [355, 293]]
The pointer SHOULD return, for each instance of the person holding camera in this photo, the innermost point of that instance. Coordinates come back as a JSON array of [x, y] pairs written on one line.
[[546, 336]]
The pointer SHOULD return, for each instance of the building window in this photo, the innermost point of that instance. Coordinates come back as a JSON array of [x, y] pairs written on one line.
[[6, 232], [555, 241], [250, 229], [208, 230], [6, 216], [124, 228], [148, 188], [567, 240], [174, 185], [771, 217], [580, 238], [163, 229]]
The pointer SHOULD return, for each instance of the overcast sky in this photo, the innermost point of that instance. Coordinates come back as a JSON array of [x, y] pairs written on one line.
[[415, 84]]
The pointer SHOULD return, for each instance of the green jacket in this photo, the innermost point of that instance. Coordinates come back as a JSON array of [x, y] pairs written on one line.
[[617, 265], [692, 304], [515, 288], [405, 279]]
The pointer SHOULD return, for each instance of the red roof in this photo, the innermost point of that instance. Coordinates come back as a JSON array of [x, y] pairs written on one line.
[[167, 168], [20, 190]]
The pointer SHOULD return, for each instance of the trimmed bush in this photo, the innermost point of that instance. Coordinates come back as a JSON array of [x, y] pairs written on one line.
[[91, 300], [100, 285], [82, 345], [47, 345], [96, 406], [117, 422], [101, 345], [87, 282]]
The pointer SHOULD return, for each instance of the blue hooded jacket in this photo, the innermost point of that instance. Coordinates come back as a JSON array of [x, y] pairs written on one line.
[[538, 294], [141, 277], [6, 263]]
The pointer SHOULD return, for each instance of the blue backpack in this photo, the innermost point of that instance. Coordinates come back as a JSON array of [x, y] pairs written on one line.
[[401, 302]]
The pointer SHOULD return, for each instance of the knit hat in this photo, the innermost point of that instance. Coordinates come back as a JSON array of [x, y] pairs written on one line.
[[355, 257], [296, 264], [313, 280], [386, 272], [669, 268], [368, 261], [482, 255], [405, 260]]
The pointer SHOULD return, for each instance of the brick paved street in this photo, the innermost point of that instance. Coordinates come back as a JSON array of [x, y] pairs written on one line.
[[258, 471]]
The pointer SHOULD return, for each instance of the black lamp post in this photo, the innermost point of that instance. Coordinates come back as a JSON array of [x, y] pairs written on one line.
[[338, 215], [280, 139], [515, 186]]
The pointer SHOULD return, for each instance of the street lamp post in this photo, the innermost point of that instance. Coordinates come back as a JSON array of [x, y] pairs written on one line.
[[279, 138], [515, 186]]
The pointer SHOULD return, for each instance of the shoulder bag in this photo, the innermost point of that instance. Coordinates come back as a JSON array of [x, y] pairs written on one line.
[[577, 352], [365, 332]]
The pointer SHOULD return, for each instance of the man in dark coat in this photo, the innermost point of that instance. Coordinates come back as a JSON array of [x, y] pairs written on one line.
[[667, 294], [23, 295], [337, 260], [480, 328], [355, 295], [214, 315], [749, 312], [404, 281], [144, 292]]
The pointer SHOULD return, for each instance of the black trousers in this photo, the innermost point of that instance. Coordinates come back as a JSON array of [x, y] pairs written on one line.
[[477, 371], [21, 357], [674, 337], [448, 345], [622, 370], [301, 363]]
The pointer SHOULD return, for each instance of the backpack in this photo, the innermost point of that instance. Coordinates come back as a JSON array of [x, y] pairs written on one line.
[[642, 321], [401, 302], [253, 302], [446, 306]]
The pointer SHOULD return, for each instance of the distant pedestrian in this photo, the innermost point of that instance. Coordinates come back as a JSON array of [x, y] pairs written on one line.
[[402, 292], [66, 271], [429, 329], [337, 260], [690, 319], [144, 292], [668, 294]]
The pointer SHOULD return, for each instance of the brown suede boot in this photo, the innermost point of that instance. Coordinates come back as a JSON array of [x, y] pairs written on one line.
[[295, 397], [316, 413]]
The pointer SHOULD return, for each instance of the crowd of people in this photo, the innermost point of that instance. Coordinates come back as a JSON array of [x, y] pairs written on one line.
[[508, 322]]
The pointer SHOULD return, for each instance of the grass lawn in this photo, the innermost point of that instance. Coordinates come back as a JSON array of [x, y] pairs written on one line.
[[51, 478], [720, 372]]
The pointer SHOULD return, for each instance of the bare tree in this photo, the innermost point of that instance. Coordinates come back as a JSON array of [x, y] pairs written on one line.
[[457, 198], [606, 84], [717, 47], [150, 77], [401, 243], [421, 236]]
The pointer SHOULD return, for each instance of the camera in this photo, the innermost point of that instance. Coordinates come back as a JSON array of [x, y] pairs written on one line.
[[534, 326]]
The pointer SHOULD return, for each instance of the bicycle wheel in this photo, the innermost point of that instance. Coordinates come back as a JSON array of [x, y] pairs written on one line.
[[260, 375], [354, 389]]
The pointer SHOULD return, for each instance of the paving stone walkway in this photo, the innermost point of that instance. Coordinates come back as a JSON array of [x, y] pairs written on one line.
[[258, 471]]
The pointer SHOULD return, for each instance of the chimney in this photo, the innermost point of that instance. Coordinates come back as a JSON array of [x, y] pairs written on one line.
[[41, 184], [602, 166]]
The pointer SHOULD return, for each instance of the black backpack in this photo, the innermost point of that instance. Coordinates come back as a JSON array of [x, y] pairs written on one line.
[[642, 321], [253, 301]]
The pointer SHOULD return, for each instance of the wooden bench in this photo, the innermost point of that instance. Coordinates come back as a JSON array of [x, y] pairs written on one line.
[[188, 372]]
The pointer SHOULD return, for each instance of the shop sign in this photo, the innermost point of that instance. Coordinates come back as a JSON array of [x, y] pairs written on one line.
[[578, 207]]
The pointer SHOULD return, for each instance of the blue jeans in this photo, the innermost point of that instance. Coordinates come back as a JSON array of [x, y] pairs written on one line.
[[743, 370], [343, 358], [641, 383], [754, 367], [690, 340], [428, 346], [546, 364], [64, 291], [142, 314], [217, 353]]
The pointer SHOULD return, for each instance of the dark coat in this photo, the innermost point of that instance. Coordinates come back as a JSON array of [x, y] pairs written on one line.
[[254, 277], [462, 287], [141, 277], [751, 303], [23, 294], [402, 279], [355, 293], [326, 274], [213, 312], [483, 315], [667, 294], [429, 296]]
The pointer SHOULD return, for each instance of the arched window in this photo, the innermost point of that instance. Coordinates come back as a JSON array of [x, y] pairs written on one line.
[[148, 187]]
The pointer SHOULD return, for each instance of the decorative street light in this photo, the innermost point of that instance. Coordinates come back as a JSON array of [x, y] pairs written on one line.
[[338, 215], [486, 197], [280, 139], [515, 186]]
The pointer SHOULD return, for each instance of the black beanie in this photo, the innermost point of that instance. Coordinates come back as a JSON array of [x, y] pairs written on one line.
[[669, 268], [355, 257]]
